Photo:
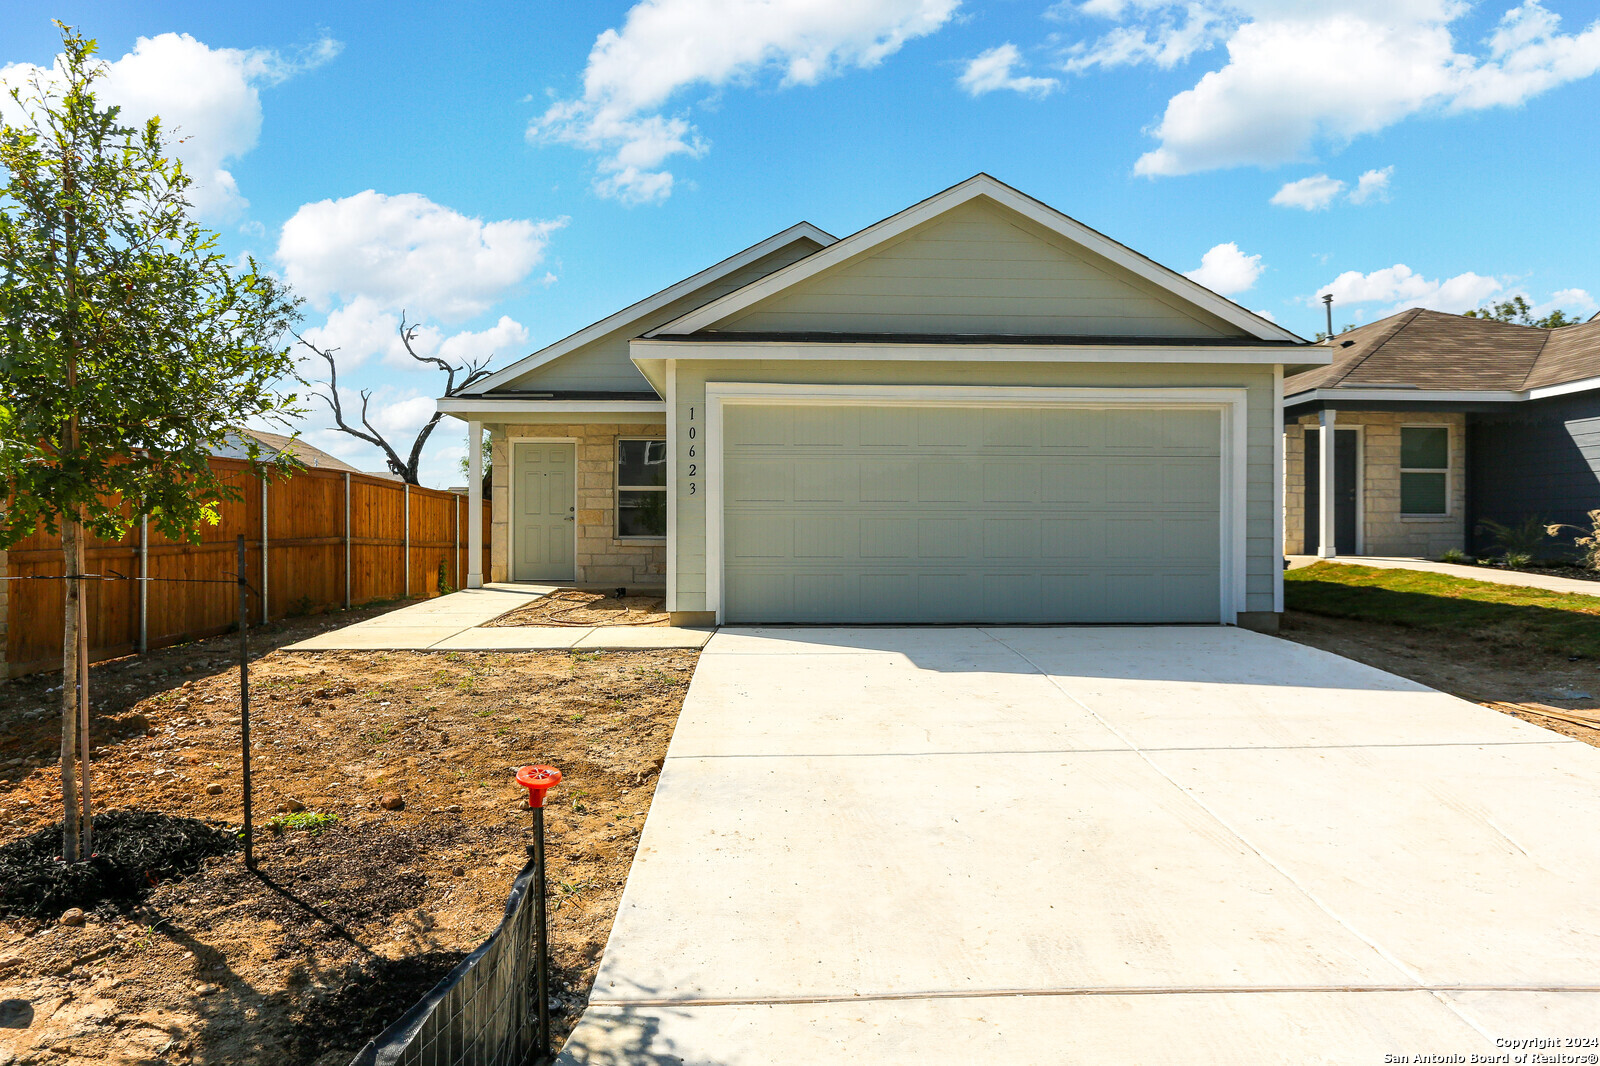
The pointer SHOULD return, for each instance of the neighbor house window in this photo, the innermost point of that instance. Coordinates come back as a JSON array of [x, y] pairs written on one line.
[[641, 488], [1424, 469]]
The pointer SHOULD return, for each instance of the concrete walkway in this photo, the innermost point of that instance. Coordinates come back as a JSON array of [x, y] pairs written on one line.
[[1571, 585], [456, 623], [1117, 845]]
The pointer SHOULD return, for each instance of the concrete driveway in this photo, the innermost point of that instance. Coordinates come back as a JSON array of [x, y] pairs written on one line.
[[1118, 845]]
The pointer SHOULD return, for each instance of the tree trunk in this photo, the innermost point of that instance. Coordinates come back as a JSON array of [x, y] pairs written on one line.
[[71, 557]]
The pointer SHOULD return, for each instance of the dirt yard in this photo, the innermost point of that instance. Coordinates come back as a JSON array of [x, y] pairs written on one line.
[[1510, 676], [358, 909], [586, 607]]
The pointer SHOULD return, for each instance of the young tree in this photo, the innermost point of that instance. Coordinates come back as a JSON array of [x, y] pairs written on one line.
[[130, 346], [1519, 311], [328, 392]]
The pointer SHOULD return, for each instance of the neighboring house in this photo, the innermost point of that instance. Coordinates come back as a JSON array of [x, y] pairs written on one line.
[[276, 443], [976, 410], [1441, 421]]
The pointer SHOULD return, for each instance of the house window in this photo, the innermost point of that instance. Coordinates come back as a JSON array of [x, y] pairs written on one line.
[[641, 489], [1424, 470]]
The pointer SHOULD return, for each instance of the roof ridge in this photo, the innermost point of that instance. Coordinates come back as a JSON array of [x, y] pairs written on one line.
[[1406, 317], [1533, 364]]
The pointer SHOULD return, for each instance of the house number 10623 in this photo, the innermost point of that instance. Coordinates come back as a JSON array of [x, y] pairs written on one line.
[[694, 432]]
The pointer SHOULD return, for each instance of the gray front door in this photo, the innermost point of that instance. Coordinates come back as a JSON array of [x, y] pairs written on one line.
[[543, 521]]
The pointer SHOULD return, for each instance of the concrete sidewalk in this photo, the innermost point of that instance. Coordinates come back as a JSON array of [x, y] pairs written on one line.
[[1118, 845], [1549, 582], [456, 623]]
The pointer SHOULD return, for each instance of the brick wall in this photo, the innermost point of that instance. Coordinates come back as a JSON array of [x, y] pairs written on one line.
[[1385, 531], [601, 557]]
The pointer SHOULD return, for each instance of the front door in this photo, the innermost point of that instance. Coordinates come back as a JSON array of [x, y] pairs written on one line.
[[1345, 469], [543, 519]]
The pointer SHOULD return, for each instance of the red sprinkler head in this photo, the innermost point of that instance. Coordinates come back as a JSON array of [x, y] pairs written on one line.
[[538, 780]]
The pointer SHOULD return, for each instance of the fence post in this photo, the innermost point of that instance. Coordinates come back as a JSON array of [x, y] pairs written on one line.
[[264, 615], [406, 555], [347, 540], [144, 584], [244, 704]]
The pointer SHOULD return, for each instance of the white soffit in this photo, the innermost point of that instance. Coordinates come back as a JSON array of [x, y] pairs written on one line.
[[980, 185]]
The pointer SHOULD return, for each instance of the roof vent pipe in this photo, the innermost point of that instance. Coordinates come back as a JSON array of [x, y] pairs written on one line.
[[1327, 302]]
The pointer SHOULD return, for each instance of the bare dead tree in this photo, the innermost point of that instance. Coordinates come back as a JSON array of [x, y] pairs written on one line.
[[469, 373]]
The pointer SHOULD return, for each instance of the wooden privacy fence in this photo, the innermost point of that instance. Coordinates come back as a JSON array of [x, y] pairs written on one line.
[[330, 539]]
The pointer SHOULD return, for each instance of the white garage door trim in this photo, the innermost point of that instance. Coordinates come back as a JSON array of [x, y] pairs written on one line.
[[1230, 403]]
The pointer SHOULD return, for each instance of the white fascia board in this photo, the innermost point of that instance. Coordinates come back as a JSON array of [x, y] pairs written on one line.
[[647, 352], [1342, 395], [974, 187], [1566, 388], [489, 409], [651, 304]]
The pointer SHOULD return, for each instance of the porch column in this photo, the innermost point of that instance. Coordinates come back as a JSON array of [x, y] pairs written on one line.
[[474, 505], [1327, 548]]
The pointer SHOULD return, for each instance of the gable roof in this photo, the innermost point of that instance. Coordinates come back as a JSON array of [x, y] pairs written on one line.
[[1434, 350], [235, 447], [979, 186], [653, 303]]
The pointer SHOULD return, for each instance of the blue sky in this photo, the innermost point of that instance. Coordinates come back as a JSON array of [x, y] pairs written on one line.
[[510, 172]]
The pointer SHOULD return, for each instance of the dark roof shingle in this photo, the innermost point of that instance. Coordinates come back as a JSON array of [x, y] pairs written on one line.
[[1434, 350]]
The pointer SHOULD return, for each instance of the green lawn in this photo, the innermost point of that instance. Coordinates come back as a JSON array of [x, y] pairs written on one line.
[[1478, 610]]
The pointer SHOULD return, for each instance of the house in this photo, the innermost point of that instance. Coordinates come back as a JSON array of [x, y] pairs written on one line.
[[1439, 422], [235, 446], [975, 410]]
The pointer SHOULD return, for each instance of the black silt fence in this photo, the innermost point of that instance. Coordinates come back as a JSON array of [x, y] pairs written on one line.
[[483, 1013]]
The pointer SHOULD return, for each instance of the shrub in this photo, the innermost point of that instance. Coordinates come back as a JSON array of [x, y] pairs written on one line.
[[1524, 539], [1455, 555], [1516, 560]]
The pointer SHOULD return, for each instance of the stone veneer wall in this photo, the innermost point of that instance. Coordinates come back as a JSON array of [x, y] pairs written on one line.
[[1387, 531], [601, 557]]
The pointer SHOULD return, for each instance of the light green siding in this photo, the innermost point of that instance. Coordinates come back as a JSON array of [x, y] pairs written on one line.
[[602, 365], [1262, 555], [980, 269], [971, 514]]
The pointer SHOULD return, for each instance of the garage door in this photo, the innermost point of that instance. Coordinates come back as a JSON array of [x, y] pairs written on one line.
[[840, 514]]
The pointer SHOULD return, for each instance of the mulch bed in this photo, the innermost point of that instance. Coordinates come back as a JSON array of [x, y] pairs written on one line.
[[134, 852]]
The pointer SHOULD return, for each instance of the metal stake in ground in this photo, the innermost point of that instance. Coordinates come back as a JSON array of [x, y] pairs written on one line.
[[538, 780], [244, 705]]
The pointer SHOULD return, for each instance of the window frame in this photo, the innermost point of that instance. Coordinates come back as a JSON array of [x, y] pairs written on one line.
[[1446, 470], [618, 488]]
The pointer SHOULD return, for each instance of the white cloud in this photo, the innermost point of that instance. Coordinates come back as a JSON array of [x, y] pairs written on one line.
[[1226, 270], [996, 69], [362, 330], [1403, 287], [1268, 315], [406, 251], [1309, 194], [1372, 185], [1573, 301], [1319, 191], [1300, 75], [666, 46], [1162, 40], [209, 97]]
